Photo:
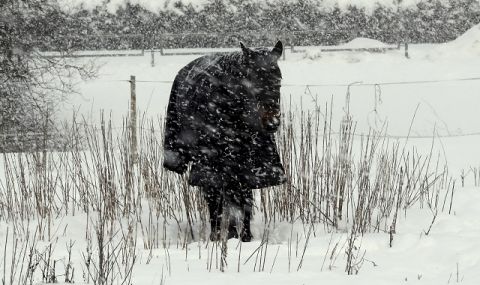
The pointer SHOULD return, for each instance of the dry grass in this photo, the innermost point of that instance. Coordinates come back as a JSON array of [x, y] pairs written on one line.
[[337, 179]]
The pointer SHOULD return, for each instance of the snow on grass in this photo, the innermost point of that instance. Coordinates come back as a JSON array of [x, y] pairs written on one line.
[[448, 254]]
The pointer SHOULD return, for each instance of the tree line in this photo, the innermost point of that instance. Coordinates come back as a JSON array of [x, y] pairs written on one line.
[[222, 23]]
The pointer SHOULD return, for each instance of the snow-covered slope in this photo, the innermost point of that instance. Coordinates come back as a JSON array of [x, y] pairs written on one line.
[[363, 43], [466, 45]]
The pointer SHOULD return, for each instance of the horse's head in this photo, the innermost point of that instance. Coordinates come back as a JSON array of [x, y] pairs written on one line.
[[263, 80]]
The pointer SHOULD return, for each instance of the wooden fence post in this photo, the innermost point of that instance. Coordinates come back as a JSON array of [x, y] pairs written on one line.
[[152, 46], [406, 50], [153, 58], [160, 44], [133, 118]]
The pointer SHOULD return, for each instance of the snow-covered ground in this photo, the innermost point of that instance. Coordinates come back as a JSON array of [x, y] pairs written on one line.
[[433, 93]]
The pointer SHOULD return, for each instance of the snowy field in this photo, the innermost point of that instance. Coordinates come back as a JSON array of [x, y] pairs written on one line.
[[431, 98], [431, 92]]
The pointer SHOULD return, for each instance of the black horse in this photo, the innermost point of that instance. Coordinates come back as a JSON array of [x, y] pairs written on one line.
[[222, 115]]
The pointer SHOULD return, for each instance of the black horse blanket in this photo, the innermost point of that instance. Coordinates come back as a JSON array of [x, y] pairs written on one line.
[[214, 120]]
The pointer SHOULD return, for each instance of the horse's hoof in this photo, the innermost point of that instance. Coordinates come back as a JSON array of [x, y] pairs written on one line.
[[232, 231], [215, 236], [246, 236], [232, 234]]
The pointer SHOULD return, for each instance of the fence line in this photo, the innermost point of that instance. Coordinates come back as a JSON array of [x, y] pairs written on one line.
[[477, 133], [413, 82], [360, 83], [154, 40], [108, 53], [99, 129]]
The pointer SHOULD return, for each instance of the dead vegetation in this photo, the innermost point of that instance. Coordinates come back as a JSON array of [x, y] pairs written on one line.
[[338, 182]]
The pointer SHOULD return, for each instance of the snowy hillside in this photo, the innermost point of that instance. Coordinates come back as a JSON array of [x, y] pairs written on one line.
[[467, 44], [363, 43]]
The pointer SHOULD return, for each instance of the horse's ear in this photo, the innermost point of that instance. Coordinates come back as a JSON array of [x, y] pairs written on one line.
[[277, 50], [245, 50]]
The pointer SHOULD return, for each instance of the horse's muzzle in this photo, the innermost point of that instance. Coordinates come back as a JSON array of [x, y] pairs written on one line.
[[271, 121]]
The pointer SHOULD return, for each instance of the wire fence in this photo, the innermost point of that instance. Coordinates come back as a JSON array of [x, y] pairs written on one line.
[[358, 83], [38, 137], [114, 45], [348, 85]]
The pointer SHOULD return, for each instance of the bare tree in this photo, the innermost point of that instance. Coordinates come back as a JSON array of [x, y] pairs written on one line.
[[32, 83]]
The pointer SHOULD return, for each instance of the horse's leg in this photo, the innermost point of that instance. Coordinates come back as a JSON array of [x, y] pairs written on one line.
[[231, 200], [243, 199], [215, 203], [247, 206]]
